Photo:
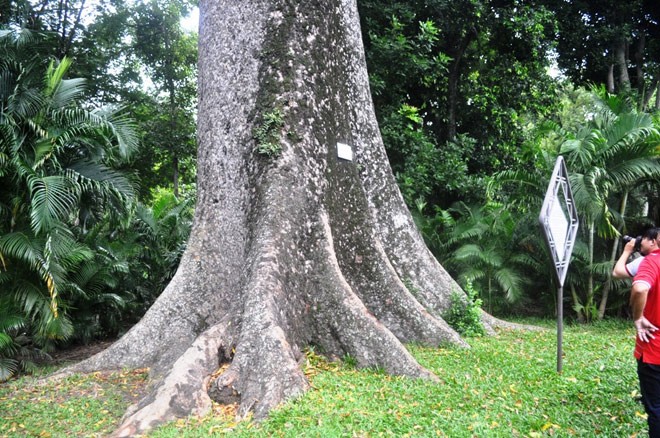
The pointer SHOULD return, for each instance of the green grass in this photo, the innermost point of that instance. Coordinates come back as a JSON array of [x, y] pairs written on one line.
[[74, 406], [503, 386]]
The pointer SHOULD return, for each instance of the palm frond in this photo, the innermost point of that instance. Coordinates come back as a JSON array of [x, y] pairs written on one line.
[[23, 37], [67, 92], [7, 81], [60, 328], [8, 368], [21, 246], [66, 250], [469, 251], [55, 74], [32, 299], [124, 130], [630, 124], [10, 318], [147, 217], [511, 283], [532, 185], [98, 178], [524, 260], [25, 103], [94, 278], [6, 342], [113, 299], [472, 275], [53, 197], [633, 171]]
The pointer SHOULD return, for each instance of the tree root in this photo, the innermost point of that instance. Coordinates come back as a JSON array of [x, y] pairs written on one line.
[[183, 391]]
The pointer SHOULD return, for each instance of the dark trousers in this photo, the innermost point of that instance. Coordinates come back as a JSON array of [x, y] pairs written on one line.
[[649, 383]]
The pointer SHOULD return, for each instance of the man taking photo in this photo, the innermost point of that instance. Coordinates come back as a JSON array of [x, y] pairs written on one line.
[[623, 269], [645, 303]]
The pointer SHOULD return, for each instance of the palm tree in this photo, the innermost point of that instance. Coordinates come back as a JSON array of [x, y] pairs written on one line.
[[153, 245], [56, 159], [611, 153], [485, 253], [608, 157]]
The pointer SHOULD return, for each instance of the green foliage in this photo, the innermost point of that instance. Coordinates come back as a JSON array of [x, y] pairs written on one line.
[[464, 314], [611, 157], [424, 171], [612, 153], [168, 142], [476, 78], [59, 179], [152, 246], [167, 113], [594, 37], [502, 385], [267, 134], [135, 54], [79, 258], [17, 352], [483, 246]]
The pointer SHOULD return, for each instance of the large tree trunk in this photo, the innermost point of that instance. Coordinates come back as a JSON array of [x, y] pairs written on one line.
[[453, 84], [621, 60], [610, 79], [639, 72], [292, 246]]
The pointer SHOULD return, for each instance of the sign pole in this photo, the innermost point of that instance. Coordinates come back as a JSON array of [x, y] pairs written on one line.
[[559, 221], [560, 327]]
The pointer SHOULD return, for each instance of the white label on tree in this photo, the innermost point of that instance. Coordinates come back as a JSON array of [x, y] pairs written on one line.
[[344, 151]]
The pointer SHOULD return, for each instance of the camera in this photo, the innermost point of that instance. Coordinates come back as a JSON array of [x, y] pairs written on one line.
[[638, 241]]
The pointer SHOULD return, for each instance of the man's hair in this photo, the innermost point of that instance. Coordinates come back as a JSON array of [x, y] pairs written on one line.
[[651, 233]]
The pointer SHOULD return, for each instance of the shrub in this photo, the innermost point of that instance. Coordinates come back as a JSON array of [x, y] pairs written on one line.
[[464, 313]]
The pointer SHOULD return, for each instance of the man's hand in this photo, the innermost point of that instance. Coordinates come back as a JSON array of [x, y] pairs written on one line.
[[645, 329], [629, 247]]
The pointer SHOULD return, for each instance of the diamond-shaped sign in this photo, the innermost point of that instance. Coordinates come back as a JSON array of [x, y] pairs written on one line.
[[559, 219]]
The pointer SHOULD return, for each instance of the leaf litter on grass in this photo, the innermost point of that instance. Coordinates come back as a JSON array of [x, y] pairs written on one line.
[[78, 405], [503, 386]]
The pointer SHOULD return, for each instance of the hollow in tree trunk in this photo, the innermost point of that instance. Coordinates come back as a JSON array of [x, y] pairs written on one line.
[[300, 236]]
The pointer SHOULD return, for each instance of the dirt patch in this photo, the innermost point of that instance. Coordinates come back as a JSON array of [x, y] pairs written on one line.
[[78, 353]]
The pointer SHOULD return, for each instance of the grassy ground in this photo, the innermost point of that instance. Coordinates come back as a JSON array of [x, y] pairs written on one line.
[[503, 386]]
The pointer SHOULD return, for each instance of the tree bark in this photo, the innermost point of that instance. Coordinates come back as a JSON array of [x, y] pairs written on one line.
[[648, 94], [454, 79], [621, 60], [292, 245], [610, 79], [639, 71]]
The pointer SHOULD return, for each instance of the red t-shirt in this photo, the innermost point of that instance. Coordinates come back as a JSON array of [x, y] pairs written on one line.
[[649, 273]]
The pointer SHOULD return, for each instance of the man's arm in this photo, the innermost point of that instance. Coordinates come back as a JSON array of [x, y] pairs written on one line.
[[620, 270], [638, 294]]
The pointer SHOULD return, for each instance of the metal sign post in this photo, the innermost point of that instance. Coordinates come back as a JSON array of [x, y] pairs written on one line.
[[559, 221]]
